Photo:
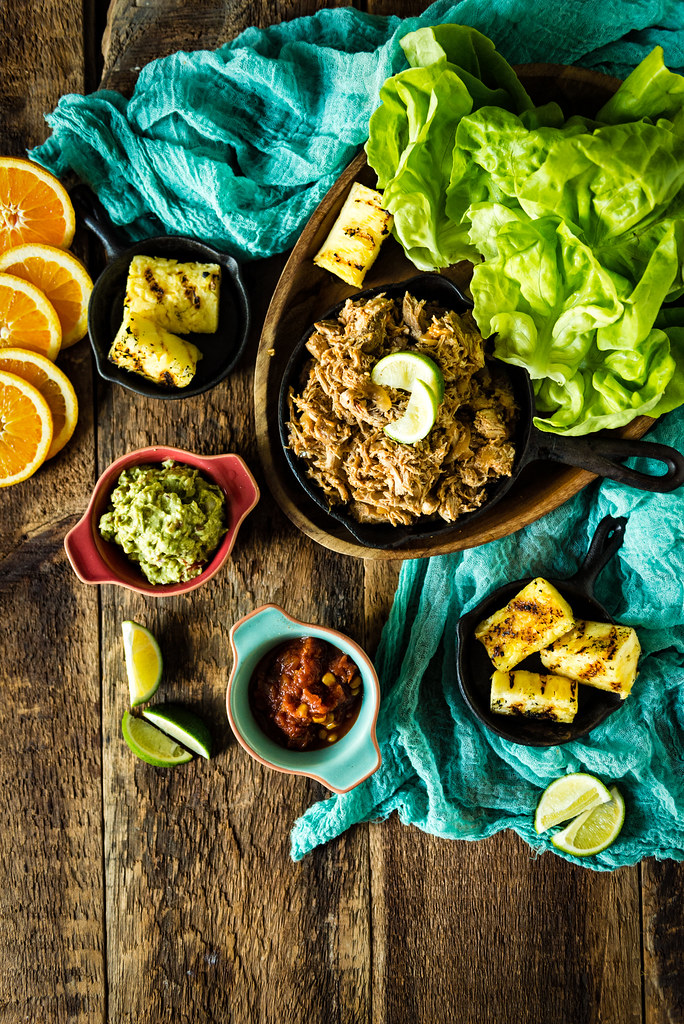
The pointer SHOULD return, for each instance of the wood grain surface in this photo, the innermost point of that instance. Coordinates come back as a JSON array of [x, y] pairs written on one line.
[[134, 894]]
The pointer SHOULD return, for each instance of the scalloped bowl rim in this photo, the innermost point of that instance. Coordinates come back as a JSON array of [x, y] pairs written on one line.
[[158, 453], [324, 632]]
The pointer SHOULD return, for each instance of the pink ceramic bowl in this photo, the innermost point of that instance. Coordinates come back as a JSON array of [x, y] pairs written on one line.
[[95, 560]]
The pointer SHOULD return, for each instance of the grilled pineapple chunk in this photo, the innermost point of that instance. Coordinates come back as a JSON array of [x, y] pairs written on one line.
[[535, 696], [533, 619], [144, 347], [597, 654], [182, 297], [356, 236]]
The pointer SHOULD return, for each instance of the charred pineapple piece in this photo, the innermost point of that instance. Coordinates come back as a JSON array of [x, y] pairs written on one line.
[[181, 297], [534, 696], [356, 236], [146, 348], [597, 654], [531, 620]]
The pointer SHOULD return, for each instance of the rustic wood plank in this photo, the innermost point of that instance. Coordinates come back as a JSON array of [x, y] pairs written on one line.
[[483, 927], [483, 932], [663, 937], [138, 32], [229, 923], [259, 909], [208, 919], [51, 903], [508, 934]]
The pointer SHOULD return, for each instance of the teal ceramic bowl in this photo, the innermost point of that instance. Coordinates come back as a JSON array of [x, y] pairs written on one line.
[[341, 766]]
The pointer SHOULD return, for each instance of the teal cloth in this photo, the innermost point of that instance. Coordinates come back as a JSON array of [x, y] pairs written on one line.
[[446, 773], [237, 147]]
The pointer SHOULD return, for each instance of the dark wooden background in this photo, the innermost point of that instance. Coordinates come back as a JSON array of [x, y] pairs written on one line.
[[132, 894]]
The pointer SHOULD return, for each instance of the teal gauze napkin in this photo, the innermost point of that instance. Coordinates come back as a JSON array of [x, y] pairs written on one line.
[[237, 146]]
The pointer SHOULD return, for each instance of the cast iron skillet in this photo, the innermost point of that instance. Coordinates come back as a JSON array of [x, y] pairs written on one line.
[[220, 351], [475, 669], [597, 453]]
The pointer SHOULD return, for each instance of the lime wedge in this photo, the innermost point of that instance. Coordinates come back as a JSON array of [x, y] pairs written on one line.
[[150, 744], [143, 662], [567, 797], [403, 369], [182, 725], [419, 416], [594, 830]]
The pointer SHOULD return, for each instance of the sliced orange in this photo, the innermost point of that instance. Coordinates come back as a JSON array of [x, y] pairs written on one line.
[[62, 278], [25, 429], [34, 206], [27, 319], [54, 386]]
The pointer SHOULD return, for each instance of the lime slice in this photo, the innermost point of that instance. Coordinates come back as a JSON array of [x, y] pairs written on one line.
[[419, 416], [594, 830], [403, 369], [567, 797], [183, 725], [150, 744], [143, 662]]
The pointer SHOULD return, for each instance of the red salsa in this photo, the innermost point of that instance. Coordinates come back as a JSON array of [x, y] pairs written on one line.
[[305, 694]]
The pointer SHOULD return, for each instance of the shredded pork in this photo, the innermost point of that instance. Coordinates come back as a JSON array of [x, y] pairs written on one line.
[[337, 418]]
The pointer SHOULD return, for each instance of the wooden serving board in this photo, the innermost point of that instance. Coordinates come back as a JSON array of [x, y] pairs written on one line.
[[304, 293]]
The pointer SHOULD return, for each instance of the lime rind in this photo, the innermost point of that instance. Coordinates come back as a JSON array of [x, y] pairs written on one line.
[[595, 830], [418, 418], [182, 725], [143, 667], [568, 797], [150, 744], [402, 369]]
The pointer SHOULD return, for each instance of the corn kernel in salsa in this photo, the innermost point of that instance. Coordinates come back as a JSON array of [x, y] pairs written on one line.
[[305, 694]]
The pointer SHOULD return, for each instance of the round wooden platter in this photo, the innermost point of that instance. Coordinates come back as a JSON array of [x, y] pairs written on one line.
[[304, 293]]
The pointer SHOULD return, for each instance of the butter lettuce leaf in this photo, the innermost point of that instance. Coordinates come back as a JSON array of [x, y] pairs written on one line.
[[575, 228], [454, 71], [586, 336], [651, 91], [540, 291]]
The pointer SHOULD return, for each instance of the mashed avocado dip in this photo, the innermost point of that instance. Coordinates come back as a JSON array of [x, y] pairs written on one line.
[[167, 518]]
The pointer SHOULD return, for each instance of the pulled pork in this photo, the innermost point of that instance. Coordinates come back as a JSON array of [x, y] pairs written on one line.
[[337, 419]]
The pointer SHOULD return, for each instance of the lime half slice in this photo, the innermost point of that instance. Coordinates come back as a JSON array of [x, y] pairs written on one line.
[[143, 662], [419, 416], [150, 744], [594, 830], [182, 725], [403, 369], [567, 797]]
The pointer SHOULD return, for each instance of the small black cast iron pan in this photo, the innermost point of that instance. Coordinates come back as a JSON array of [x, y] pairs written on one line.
[[220, 351], [475, 669], [600, 454]]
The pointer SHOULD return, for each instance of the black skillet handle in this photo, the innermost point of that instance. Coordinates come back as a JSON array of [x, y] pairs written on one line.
[[609, 536], [96, 219], [602, 455]]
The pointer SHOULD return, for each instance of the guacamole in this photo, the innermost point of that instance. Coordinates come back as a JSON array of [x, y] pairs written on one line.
[[169, 519]]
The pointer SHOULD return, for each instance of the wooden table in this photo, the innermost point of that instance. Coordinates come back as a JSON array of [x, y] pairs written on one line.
[[133, 894]]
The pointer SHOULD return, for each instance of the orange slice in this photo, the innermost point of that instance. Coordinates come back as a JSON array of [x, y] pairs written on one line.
[[27, 320], [25, 429], [54, 386], [62, 278], [34, 206]]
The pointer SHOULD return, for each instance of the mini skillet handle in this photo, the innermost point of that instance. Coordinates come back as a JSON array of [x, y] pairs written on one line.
[[609, 536], [96, 219], [602, 455]]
